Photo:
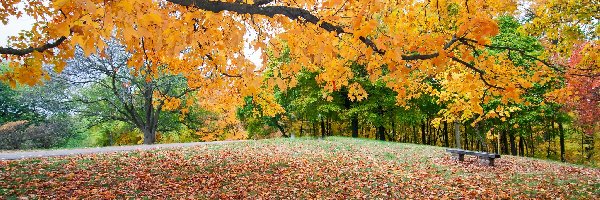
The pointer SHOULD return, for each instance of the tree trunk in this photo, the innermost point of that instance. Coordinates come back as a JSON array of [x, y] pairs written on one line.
[[354, 126], [301, 130], [393, 129], [561, 131], [427, 132], [434, 136], [151, 115], [466, 138], [513, 145], [405, 134], [329, 131], [423, 136], [446, 142], [504, 141], [381, 132], [457, 134], [415, 133], [149, 136], [281, 129], [323, 133], [532, 145], [481, 138], [548, 140], [521, 146], [111, 138], [314, 129]]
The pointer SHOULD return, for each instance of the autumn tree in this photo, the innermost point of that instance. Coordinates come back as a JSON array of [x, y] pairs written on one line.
[[203, 40], [109, 90]]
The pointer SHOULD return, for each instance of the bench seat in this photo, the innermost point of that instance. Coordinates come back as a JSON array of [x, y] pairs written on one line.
[[488, 157]]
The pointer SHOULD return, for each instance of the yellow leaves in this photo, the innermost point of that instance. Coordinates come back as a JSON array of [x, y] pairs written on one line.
[[329, 98], [357, 20], [89, 46], [559, 95], [57, 4], [127, 6], [526, 84], [479, 28], [478, 109], [511, 93], [332, 3], [436, 121], [136, 61], [59, 65], [171, 103], [129, 32], [151, 19], [489, 135], [61, 29], [356, 92], [180, 38], [268, 104], [8, 77], [365, 29], [30, 73]]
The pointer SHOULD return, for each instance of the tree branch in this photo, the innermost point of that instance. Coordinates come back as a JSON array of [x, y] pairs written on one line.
[[21, 52], [479, 71], [291, 13]]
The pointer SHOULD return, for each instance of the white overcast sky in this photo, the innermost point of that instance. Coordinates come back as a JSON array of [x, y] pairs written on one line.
[[13, 27]]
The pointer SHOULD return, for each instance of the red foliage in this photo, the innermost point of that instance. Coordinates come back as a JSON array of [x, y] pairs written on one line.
[[586, 89]]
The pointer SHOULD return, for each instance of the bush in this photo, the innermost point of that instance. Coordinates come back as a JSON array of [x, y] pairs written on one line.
[[26, 135], [181, 135], [11, 136]]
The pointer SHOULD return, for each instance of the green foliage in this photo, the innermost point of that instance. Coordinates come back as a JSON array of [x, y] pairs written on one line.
[[12, 107]]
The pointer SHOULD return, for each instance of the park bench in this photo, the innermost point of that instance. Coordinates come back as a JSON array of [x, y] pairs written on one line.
[[483, 156]]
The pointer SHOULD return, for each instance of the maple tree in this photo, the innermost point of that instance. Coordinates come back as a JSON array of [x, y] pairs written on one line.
[[586, 90], [414, 40]]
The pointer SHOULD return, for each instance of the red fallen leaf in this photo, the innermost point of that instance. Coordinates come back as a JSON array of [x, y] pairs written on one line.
[[276, 170]]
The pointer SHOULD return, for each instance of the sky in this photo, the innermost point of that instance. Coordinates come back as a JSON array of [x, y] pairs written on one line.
[[13, 27]]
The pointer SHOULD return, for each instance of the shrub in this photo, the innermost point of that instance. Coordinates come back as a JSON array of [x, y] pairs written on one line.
[[26, 135]]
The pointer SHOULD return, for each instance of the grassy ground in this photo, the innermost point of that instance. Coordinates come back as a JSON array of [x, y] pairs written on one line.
[[302, 168]]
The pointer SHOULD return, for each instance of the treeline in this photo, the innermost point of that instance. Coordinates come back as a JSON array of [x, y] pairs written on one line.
[[535, 127], [543, 131]]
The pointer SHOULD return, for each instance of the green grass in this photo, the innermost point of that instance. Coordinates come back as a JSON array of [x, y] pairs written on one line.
[[336, 167]]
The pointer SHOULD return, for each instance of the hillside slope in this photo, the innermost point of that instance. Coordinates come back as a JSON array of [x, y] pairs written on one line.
[[332, 168]]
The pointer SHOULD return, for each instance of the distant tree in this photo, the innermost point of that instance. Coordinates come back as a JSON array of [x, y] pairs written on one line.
[[12, 108], [110, 90]]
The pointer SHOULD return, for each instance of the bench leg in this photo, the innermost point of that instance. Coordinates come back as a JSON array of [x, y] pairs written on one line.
[[491, 161], [483, 160], [458, 156]]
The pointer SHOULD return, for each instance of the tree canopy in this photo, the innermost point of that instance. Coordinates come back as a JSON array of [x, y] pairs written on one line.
[[400, 43]]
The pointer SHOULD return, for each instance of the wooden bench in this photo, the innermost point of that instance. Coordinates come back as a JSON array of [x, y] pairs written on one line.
[[484, 156]]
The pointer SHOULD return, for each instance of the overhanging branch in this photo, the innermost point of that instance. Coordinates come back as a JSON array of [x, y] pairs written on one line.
[[22, 52], [291, 13]]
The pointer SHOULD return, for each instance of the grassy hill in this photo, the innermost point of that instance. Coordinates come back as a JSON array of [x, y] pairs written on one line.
[[333, 168]]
